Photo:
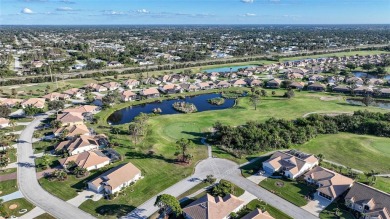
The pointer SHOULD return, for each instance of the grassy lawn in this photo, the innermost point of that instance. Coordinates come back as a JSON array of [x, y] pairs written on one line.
[[7, 171], [193, 190], [274, 212], [237, 191], [252, 168], [164, 131], [338, 54], [8, 187], [45, 216], [21, 204], [53, 162], [368, 152], [329, 213], [290, 190], [383, 184], [41, 146]]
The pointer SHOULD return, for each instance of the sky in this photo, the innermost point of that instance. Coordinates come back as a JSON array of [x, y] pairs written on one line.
[[82, 12]]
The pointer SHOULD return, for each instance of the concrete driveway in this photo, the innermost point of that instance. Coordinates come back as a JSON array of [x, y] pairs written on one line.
[[316, 205]]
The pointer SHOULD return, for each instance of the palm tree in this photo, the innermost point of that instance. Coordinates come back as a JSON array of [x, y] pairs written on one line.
[[60, 175], [79, 172], [45, 161]]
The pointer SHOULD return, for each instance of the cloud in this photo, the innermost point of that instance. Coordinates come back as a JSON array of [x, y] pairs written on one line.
[[143, 11], [64, 9], [250, 14], [247, 1], [27, 11], [67, 2], [114, 13]]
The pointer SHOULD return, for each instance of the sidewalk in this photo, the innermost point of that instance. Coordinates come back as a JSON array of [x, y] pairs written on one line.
[[12, 196]]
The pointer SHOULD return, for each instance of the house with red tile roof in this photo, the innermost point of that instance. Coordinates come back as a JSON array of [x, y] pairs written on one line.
[[209, 207], [90, 160], [258, 214], [70, 118], [78, 145], [150, 93], [34, 102]]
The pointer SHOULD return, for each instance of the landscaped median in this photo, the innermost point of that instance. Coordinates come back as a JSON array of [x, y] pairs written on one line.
[[290, 190]]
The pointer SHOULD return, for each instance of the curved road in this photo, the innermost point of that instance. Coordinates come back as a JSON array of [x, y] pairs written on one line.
[[28, 183], [221, 169]]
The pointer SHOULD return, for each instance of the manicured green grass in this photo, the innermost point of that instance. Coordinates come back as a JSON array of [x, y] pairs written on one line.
[[338, 54], [274, 212], [8, 187], [290, 190], [193, 190], [45, 216], [237, 191], [21, 203], [329, 212], [7, 171], [61, 189], [41, 146], [383, 184], [254, 167], [362, 152], [13, 128]]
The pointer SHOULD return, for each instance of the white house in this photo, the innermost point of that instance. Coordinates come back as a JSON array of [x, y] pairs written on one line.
[[115, 179], [291, 164]]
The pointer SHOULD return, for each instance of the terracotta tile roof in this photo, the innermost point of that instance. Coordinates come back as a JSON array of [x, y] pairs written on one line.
[[378, 201], [9, 102], [81, 109], [128, 93], [74, 130], [332, 184], [258, 214], [72, 91], [150, 91], [86, 159], [36, 102], [51, 96], [117, 176], [213, 207], [79, 142], [131, 82], [69, 117], [111, 85]]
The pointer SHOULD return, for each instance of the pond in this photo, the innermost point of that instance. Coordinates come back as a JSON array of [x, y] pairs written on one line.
[[378, 103], [127, 114], [360, 74], [227, 69]]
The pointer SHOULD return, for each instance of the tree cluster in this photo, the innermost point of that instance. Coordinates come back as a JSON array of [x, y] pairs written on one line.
[[279, 133]]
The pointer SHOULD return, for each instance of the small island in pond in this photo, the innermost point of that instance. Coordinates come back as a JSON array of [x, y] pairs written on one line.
[[184, 107], [216, 101]]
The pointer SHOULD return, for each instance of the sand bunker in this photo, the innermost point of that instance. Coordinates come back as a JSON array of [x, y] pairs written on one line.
[[13, 206]]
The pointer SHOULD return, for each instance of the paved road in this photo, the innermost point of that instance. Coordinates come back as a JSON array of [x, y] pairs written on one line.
[[28, 183], [221, 169]]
